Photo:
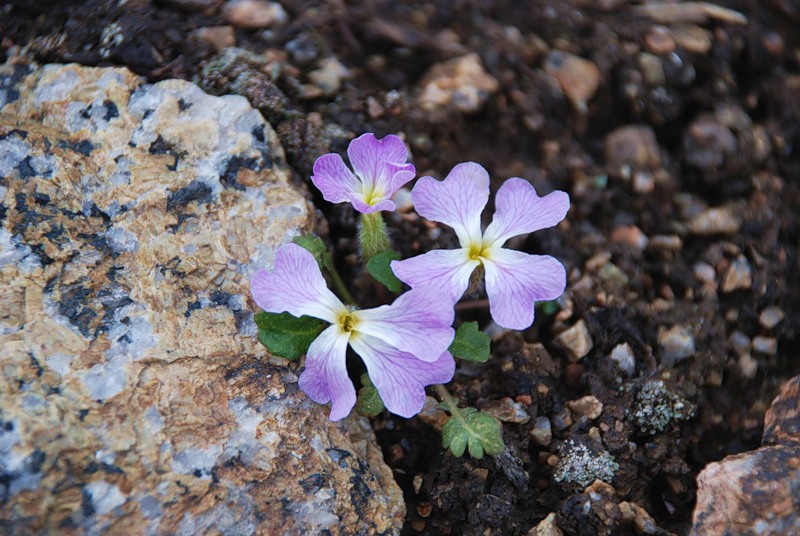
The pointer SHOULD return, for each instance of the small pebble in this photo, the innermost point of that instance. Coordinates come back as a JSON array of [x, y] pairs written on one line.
[[652, 69], [659, 40], [666, 242], [721, 220], [693, 38], [578, 77], [630, 235], [218, 37], [675, 344], [542, 432], [506, 410], [328, 77], [460, 82], [253, 14], [708, 144], [623, 355], [587, 406], [771, 317], [738, 276], [765, 345], [576, 341], [748, 366], [632, 146], [705, 273], [643, 182], [740, 343], [546, 527]]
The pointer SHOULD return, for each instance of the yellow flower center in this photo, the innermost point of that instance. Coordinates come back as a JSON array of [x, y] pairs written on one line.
[[347, 322], [478, 252]]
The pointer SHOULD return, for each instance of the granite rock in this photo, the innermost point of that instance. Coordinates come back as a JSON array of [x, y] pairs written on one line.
[[135, 399], [756, 492]]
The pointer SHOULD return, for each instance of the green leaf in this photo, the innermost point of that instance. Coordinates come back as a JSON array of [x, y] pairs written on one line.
[[285, 335], [478, 432], [369, 402], [471, 343], [315, 246], [380, 268]]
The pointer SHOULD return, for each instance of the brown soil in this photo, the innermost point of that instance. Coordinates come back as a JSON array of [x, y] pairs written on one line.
[[745, 156]]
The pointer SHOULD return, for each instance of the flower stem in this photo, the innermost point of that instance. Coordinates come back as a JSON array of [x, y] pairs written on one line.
[[372, 235], [341, 289]]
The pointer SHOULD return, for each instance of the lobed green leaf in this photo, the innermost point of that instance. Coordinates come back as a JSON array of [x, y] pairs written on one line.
[[369, 401], [285, 335], [470, 343], [478, 432]]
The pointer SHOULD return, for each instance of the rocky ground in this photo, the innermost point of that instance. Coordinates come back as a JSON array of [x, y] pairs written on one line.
[[675, 129]]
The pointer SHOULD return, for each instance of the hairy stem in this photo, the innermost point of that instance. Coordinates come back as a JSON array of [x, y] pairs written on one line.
[[372, 235]]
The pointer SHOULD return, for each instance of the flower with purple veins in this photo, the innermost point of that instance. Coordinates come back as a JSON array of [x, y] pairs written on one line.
[[380, 170], [514, 280], [404, 345]]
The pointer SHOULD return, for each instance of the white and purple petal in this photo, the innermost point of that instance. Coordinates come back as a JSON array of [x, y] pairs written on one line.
[[360, 204], [296, 286], [332, 177], [400, 377], [445, 269], [515, 280], [325, 376], [456, 201], [519, 210], [369, 156], [418, 322]]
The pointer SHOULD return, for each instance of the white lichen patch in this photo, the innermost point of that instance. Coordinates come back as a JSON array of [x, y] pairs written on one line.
[[105, 496], [193, 459]]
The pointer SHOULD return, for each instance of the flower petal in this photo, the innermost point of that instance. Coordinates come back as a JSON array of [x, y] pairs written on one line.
[[418, 322], [445, 269], [325, 376], [363, 207], [368, 156], [519, 210], [295, 285], [400, 377], [333, 179], [515, 280], [456, 201], [399, 176]]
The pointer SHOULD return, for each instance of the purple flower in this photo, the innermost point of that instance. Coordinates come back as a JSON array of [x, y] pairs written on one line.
[[380, 170], [514, 280], [404, 345]]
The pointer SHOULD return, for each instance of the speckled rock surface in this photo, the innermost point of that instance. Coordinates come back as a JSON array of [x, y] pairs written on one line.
[[134, 398], [757, 492]]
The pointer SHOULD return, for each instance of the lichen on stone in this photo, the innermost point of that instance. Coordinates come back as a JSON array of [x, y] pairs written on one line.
[[656, 408], [582, 463]]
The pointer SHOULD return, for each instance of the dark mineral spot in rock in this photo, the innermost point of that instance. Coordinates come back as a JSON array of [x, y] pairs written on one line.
[[183, 105], [87, 506], [84, 147], [112, 110], [219, 297], [338, 456], [313, 483], [74, 305], [194, 191], [193, 306], [25, 169], [9, 83], [233, 165], [258, 133]]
